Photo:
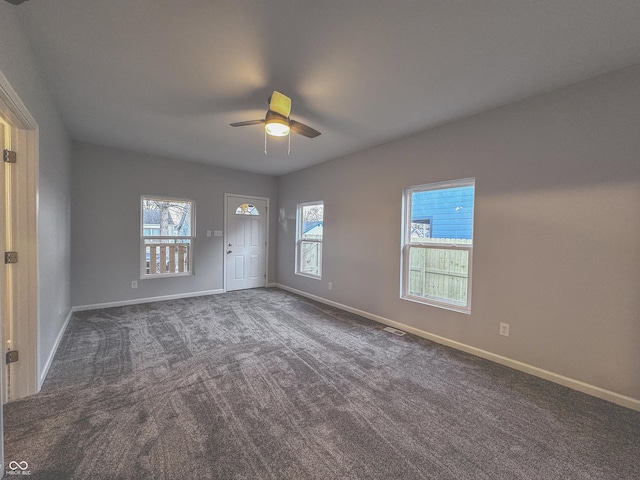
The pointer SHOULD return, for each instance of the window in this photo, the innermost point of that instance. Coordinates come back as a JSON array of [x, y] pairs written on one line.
[[247, 209], [310, 219], [438, 244], [167, 237]]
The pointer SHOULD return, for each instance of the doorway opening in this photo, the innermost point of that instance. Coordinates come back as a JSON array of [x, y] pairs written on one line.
[[246, 242], [18, 238]]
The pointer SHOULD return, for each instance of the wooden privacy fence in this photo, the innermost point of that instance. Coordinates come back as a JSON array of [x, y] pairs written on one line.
[[439, 273], [167, 258]]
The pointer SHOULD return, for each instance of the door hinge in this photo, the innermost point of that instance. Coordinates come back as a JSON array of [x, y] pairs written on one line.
[[9, 156], [10, 257], [12, 356]]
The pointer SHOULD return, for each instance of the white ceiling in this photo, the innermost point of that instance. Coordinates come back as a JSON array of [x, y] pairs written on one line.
[[167, 77]]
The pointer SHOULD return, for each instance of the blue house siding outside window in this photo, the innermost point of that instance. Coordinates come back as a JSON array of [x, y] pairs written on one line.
[[312, 228], [449, 212]]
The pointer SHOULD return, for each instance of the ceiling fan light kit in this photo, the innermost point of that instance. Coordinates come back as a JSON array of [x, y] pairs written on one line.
[[276, 125], [277, 129], [277, 122]]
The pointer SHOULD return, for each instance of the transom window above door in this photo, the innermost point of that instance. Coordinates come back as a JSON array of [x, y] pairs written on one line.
[[247, 209]]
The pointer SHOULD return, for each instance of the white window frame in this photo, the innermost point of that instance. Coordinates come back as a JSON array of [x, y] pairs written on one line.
[[300, 240], [143, 238], [407, 244]]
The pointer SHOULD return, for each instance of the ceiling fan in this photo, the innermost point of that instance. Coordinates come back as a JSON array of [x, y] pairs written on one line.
[[277, 121]]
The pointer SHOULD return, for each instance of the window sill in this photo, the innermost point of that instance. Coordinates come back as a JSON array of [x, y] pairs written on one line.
[[434, 303], [165, 275], [308, 275]]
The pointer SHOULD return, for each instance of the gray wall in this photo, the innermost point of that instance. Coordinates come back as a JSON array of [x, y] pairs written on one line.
[[19, 67], [107, 186], [557, 229]]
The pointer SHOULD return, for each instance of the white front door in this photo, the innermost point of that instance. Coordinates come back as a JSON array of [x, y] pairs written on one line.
[[246, 241]]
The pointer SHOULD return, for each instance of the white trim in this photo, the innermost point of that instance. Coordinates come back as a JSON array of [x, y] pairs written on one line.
[[47, 365], [139, 301], [617, 398], [12, 109], [25, 141]]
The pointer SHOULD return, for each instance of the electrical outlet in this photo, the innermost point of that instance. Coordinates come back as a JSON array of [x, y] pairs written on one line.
[[330, 286], [504, 329], [134, 284]]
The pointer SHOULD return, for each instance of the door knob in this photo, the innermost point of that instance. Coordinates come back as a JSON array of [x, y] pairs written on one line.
[[228, 251]]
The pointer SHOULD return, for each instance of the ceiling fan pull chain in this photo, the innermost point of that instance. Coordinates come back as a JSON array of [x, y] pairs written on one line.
[[289, 151], [265, 142]]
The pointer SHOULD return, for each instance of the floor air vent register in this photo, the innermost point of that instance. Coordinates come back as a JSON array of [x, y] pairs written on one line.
[[395, 331]]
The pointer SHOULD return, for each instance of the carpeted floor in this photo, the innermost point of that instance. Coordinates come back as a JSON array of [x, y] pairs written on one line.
[[263, 384]]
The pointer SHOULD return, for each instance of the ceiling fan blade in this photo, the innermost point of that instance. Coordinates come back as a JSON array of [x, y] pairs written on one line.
[[280, 103], [302, 129], [248, 122]]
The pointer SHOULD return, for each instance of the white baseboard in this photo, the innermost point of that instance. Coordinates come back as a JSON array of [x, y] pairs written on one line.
[[47, 365], [139, 301], [583, 387]]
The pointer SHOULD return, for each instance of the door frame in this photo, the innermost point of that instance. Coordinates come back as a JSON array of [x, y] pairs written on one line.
[[25, 141], [226, 239]]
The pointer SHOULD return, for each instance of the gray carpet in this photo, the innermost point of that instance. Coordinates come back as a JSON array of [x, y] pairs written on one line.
[[263, 384]]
